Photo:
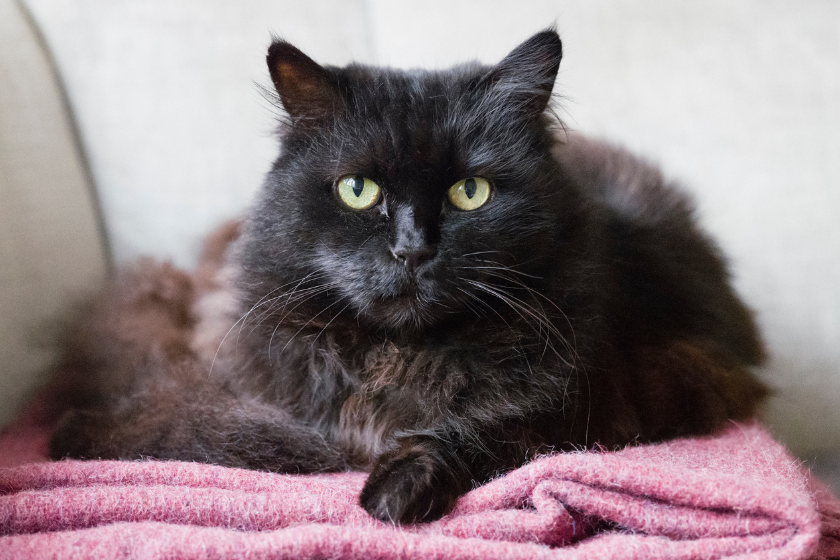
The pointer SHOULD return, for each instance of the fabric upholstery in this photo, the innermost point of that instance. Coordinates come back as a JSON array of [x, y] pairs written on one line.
[[51, 252]]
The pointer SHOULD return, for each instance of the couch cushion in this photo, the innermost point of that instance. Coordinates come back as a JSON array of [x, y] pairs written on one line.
[[51, 251]]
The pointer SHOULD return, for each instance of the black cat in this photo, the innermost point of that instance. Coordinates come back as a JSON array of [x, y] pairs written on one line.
[[435, 283]]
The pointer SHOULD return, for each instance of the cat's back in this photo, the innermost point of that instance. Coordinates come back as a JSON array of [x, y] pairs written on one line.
[[673, 280], [631, 188]]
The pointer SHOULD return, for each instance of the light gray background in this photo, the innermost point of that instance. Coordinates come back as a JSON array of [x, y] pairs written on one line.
[[739, 99]]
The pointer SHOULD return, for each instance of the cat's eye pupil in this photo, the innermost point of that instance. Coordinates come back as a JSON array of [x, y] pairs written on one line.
[[358, 185], [469, 187]]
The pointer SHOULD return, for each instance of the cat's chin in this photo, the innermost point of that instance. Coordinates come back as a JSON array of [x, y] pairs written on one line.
[[402, 316], [410, 303], [401, 313]]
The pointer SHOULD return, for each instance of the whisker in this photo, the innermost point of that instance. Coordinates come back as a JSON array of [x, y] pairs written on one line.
[[538, 295], [503, 272], [508, 269], [315, 292], [525, 311], [466, 303], [573, 347], [342, 310], [241, 321], [490, 307], [479, 253], [298, 331], [290, 296]]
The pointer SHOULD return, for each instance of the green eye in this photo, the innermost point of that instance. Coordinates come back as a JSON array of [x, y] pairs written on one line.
[[358, 192], [470, 193]]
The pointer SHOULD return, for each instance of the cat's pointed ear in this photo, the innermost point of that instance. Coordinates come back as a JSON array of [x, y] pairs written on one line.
[[527, 74], [308, 91]]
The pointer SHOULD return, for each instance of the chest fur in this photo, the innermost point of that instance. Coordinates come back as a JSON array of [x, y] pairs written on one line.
[[385, 391]]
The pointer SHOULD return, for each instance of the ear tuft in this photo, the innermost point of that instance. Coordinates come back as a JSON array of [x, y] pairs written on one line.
[[308, 91], [529, 71]]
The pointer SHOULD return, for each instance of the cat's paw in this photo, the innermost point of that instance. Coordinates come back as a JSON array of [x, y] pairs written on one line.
[[411, 485]]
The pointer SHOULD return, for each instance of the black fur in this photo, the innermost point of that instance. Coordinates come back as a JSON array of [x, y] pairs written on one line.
[[581, 305]]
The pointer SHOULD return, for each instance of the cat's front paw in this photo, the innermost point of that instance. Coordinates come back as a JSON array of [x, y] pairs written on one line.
[[412, 484]]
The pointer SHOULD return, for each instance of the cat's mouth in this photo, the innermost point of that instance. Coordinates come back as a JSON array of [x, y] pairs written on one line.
[[387, 296], [411, 308]]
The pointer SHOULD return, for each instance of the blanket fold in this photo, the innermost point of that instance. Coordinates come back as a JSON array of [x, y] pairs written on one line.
[[737, 494]]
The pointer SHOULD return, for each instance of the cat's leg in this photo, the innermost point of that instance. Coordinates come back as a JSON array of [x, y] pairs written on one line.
[[135, 388], [205, 425], [418, 481], [423, 477]]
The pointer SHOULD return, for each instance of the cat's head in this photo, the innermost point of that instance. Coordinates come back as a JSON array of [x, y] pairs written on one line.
[[397, 195]]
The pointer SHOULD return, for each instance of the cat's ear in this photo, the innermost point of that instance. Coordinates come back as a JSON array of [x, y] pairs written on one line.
[[527, 74], [308, 91]]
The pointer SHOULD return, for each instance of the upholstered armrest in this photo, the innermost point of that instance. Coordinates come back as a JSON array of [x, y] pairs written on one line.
[[51, 250]]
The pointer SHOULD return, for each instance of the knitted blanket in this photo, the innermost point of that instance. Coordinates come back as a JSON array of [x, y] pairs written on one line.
[[735, 494]]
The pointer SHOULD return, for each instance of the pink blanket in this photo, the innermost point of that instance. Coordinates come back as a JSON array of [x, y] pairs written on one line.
[[736, 494]]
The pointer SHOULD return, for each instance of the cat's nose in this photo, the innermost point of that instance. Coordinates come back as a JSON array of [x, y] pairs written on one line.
[[413, 257]]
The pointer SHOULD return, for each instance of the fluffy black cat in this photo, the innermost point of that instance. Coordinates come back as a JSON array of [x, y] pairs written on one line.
[[435, 284]]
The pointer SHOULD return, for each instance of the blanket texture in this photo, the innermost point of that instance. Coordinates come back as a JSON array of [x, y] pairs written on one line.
[[737, 494]]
